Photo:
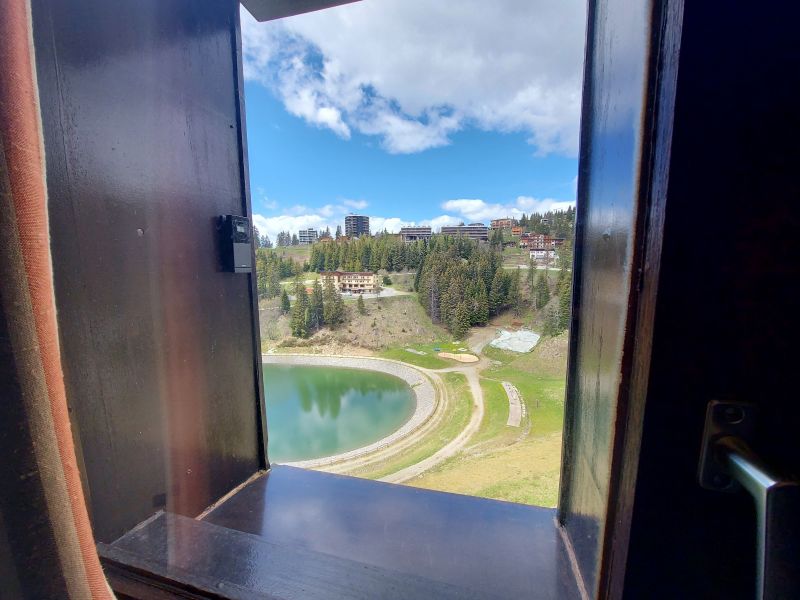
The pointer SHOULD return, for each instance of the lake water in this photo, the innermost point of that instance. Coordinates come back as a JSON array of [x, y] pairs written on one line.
[[320, 411]]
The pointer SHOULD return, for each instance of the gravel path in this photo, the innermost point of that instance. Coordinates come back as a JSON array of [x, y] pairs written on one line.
[[457, 443], [515, 406], [424, 393]]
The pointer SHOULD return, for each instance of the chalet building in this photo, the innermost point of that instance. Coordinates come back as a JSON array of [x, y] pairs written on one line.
[[412, 234], [475, 231], [356, 283], [506, 223], [516, 231], [540, 241], [307, 236]]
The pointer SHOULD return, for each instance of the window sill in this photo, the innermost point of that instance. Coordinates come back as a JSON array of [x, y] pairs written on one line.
[[304, 534]]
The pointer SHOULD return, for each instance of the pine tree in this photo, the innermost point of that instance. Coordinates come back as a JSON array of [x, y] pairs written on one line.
[[542, 291], [531, 279], [285, 304], [497, 294], [461, 321], [565, 256], [338, 231], [299, 321], [273, 280], [551, 323], [333, 310], [515, 293], [481, 316], [564, 304], [316, 308], [362, 309], [496, 238]]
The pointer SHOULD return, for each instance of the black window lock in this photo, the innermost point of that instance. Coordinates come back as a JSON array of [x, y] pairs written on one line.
[[235, 243]]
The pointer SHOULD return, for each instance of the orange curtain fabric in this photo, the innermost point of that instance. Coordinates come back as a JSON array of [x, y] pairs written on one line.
[[28, 304]]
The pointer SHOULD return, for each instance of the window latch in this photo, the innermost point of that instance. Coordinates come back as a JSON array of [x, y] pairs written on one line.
[[728, 464]]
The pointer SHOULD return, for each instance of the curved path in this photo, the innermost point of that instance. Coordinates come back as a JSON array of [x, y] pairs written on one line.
[[456, 444], [421, 386]]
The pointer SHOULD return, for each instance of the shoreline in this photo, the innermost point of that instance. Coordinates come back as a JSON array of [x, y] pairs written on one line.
[[421, 386]]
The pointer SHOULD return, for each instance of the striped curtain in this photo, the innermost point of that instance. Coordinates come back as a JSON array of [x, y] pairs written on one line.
[[46, 545]]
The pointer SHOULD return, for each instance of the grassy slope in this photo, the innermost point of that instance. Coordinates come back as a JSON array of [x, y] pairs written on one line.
[[496, 406], [390, 323], [449, 428], [429, 360], [498, 464], [299, 254]]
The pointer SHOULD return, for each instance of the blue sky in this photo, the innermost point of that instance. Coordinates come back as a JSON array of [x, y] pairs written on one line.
[[396, 117]]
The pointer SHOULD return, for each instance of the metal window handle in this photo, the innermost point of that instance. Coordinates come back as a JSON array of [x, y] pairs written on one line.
[[728, 464]]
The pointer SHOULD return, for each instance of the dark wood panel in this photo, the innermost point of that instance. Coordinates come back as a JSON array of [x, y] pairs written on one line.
[[726, 322], [140, 107], [615, 130], [497, 548], [182, 554]]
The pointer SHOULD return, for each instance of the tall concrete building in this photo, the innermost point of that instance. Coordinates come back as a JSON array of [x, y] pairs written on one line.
[[412, 234], [475, 231], [356, 225], [307, 236]]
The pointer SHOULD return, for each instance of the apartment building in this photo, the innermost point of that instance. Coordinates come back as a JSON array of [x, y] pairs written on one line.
[[307, 236], [539, 241], [475, 231], [543, 254], [354, 283], [505, 223], [356, 225], [412, 234]]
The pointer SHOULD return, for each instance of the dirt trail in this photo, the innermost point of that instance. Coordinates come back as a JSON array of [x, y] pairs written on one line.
[[456, 444]]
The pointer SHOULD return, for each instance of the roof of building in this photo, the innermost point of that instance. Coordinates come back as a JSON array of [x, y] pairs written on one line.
[[340, 273]]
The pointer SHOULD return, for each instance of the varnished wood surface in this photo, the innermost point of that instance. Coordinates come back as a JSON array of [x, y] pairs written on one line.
[[616, 120], [142, 130], [487, 546], [179, 553]]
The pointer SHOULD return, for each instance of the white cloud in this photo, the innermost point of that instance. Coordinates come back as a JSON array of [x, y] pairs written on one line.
[[390, 224], [271, 226], [357, 204], [412, 72], [442, 220], [475, 210]]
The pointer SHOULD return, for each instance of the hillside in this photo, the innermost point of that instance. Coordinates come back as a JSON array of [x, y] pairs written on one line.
[[388, 322]]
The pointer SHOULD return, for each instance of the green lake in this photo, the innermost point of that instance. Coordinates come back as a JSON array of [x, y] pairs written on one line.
[[314, 412]]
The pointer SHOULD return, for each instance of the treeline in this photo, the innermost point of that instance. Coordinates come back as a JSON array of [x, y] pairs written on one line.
[[557, 315], [461, 287], [323, 306], [384, 252], [270, 269], [464, 285], [261, 241], [559, 223]]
